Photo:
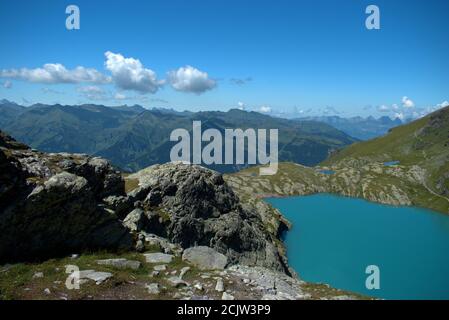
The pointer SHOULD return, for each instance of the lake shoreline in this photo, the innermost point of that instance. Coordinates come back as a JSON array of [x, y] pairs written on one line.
[[412, 215]]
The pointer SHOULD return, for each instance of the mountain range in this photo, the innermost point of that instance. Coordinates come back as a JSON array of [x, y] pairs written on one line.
[[359, 127], [132, 137]]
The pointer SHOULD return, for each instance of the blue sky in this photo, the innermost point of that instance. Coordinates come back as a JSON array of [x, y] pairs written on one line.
[[302, 57]]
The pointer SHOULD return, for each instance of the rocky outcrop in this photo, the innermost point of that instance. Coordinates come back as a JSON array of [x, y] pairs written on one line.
[[59, 203], [205, 258], [193, 206], [51, 204]]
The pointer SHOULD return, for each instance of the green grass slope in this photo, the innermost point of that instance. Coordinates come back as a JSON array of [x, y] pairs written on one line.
[[421, 178]]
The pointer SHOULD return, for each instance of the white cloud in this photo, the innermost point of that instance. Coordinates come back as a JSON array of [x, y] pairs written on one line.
[[399, 115], [130, 74], [407, 103], [190, 79], [265, 109], [55, 73], [240, 105], [7, 84], [93, 93], [119, 96], [51, 91], [328, 110], [383, 108], [395, 107], [443, 104]]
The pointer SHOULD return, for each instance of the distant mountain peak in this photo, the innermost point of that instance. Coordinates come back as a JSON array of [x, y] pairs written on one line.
[[5, 101]]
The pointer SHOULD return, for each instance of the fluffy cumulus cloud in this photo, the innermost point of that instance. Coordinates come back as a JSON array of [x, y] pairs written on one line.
[[130, 74], [190, 79], [55, 73], [407, 102], [265, 109]]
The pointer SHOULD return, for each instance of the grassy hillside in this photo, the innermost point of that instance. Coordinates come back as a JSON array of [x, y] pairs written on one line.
[[420, 178], [421, 144]]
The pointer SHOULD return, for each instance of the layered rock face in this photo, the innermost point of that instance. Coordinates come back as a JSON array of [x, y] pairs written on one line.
[[51, 204], [193, 206]]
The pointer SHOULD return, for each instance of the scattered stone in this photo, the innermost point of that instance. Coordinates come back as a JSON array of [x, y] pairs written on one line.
[[38, 275], [158, 257], [220, 285], [177, 295], [74, 256], [97, 276], [184, 271], [154, 273], [153, 288], [198, 286], [162, 243], [120, 263], [160, 267], [177, 282], [47, 291], [205, 258], [227, 296]]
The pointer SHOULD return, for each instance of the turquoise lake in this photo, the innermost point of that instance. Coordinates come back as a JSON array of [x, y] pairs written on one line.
[[334, 239]]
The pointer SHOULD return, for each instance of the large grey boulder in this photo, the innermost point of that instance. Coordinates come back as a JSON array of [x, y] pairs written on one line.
[[135, 220], [47, 210], [104, 180], [197, 208], [205, 258]]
